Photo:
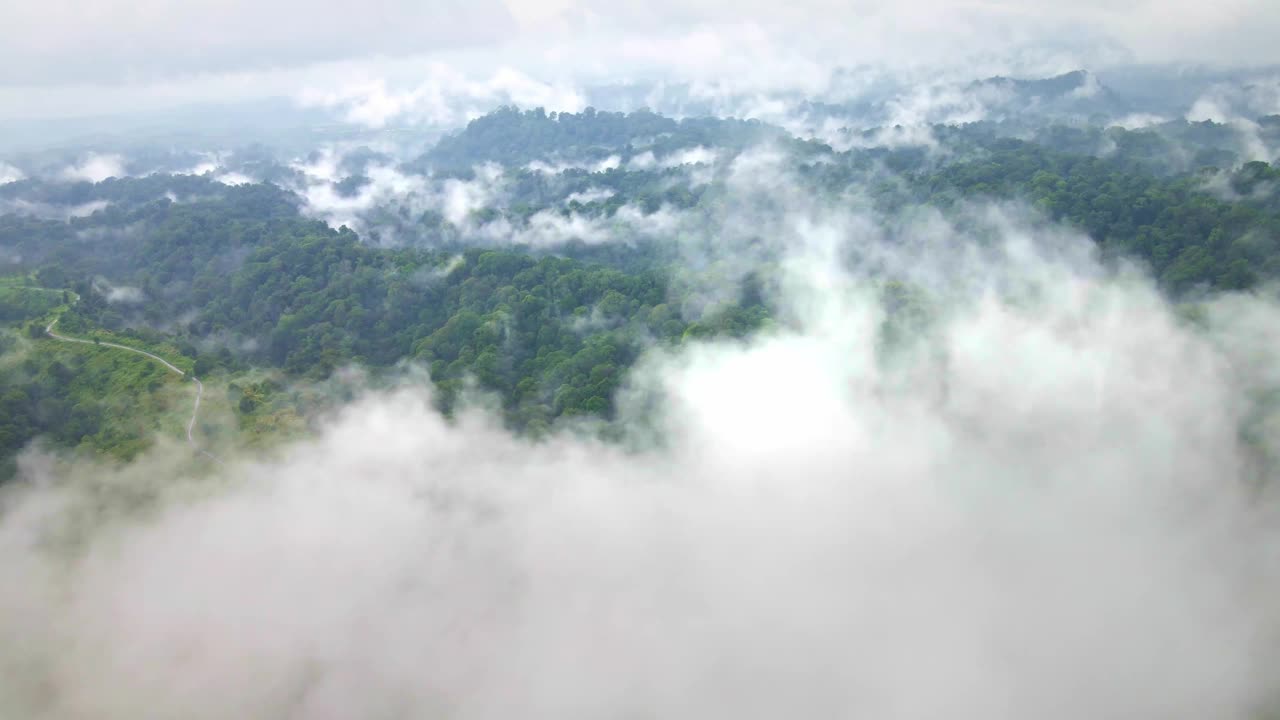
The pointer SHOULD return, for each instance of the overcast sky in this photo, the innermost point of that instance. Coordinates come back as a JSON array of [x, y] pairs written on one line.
[[89, 56]]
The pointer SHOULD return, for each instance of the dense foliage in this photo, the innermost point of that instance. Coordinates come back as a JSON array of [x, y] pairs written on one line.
[[512, 137], [1188, 236], [235, 278]]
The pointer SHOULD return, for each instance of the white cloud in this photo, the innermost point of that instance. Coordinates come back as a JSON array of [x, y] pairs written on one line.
[[233, 178], [1137, 121], [698, 155], [118, 293], [324, 166], [51, 211], [589, 196], [461, 198], [549, 228], [9, 173], [555, 167], [1238, 107], [87, 209], [643, 161], [96, 167], [202, 168], [394, 195], [385, 186], [447, 98], [685, 156]]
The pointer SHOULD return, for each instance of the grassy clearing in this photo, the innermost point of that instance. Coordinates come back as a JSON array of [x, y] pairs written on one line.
[[116, 403]]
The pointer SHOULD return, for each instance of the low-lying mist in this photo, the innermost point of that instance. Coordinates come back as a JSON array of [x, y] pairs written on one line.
[[1014, 483]]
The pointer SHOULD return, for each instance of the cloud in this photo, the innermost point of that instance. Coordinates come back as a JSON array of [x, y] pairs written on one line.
[[96, 167], [589, 196], [698, 155], [389, 205], [1045, 480], [234, 178], [1239, 106], [461, 198], [9, 173], [555, 167], [386, 186], [389, 200], [550, 229], [51, 211], [210, 162], [446, 98], [118, 293], [1138, 121], [643, 161]]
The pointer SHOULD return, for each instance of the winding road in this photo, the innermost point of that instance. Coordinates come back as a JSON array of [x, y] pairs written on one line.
[[195, 411]]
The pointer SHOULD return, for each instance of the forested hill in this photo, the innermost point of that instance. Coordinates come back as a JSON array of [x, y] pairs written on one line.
[[241, 280], [246, 278], [513, 137], [1207, 230]]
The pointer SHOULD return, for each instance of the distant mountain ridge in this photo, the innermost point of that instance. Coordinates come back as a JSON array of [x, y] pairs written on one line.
[[511, 136], [1079, 93]]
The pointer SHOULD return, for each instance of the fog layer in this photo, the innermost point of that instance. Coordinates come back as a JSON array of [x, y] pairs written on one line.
[[1030, 490]]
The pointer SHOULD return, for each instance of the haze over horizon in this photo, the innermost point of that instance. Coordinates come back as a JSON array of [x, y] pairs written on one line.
[[76, 57]]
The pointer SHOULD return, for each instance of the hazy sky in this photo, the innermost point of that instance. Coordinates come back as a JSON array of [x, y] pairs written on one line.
[[85, 56]]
